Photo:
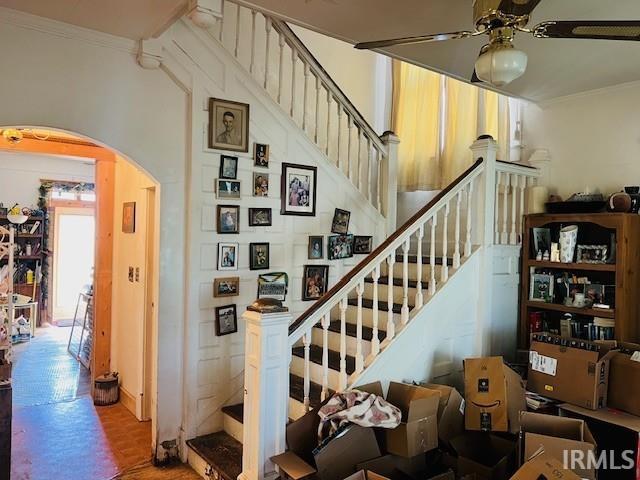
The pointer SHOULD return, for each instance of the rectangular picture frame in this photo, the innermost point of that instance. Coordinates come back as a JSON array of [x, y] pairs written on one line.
[[315, 282], [228, 219], [227, 256], [259, 256], [228, 189], [228, 167], [260, 217], [228, 125], [260, 184], [339, 247], [362, 244], [315, 249], [129, 217], [226, 320], [298, 186], [226, 287], [340, 223], [541, 287], [261, 155]]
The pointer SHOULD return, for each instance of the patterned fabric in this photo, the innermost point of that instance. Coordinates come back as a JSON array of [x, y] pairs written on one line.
[[361, 408]]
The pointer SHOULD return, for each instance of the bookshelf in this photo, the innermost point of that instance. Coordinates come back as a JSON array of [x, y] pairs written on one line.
[[620, 277]]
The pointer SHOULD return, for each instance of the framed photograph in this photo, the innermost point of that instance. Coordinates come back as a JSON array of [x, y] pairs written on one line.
[[260, 184], [261, 155], [594, 294], [228, 125], [315, 281], [227, 256], [226, 287], [541, 240], [316, 247], [228, 167], [129, 217], [227, 189], [226, 320], [541, 287], [340, 224], [362, 244], [273, 285], [298, 190], [228, 219], [259, 217], [258, 256], [339, 246], [592, 253]]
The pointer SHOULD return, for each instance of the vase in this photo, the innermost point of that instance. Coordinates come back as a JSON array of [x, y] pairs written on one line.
[[568, 240]]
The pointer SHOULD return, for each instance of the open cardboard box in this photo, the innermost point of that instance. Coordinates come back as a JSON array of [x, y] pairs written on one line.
[[450, 412], [494, 395], [624, 379], [366, 475], [568, 374], [555, 435], [544, 467], [418, 430], [483, 455]]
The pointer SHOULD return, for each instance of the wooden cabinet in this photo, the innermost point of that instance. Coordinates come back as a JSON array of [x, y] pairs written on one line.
[[621, 233]]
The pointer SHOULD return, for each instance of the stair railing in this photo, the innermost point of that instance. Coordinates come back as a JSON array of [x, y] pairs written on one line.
[[278, 60]]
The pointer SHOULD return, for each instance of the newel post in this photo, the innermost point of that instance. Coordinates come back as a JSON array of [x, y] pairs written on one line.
[[266, 391], [389, 183], [487, 149]]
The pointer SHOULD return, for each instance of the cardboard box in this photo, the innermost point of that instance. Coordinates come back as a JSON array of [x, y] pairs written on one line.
[[450, 412], [418, 430], [615, 432], [494, 395], [573, 375], [394, 466], [484, 455], [624, 379], [555, 435], [366, 475], [544, 467]]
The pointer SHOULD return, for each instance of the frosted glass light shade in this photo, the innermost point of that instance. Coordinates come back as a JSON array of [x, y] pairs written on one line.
[[500, 66]]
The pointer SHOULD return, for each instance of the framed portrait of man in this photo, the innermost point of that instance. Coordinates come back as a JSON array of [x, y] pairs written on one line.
[[228, 125]]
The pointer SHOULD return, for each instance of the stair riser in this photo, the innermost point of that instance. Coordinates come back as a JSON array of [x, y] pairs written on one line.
[[297, 368], [334, 342], [383, 292], [232, 427], [199, 465], [367, 316], [413, 271]]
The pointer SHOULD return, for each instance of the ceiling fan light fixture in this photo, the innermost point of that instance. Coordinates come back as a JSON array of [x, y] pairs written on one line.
[[501, 64]]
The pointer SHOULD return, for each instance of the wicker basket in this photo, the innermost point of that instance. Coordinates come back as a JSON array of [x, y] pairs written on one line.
[[106, 391]]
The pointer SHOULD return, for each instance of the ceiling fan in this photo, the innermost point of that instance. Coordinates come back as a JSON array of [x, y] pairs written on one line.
[[500, 62]]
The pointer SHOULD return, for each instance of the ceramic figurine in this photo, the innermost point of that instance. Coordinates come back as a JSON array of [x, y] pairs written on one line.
[[555, 252], [545, 256], [539, 255]]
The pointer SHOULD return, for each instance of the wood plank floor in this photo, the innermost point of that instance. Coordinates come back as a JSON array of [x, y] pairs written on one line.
[[174, 472]]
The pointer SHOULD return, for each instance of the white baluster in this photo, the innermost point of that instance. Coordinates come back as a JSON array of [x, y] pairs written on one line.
[[306, 341], [294, 61], [432, 255], [379, 182], [369, 171], [358, 181], [419, 297], [267, 29], [317, 126], [281, 43], [253, 40], [304, 100], [504, 235], [375, 339], [343, 343], [513, 237], [404, 312], [522, 184], [456, 252], [497, 215], [221, 21], [349, 127], [326, 320], [339, 107], [328, 121], [359, 355], [444, 273], [467, 243], [391, 325], [238, 11]]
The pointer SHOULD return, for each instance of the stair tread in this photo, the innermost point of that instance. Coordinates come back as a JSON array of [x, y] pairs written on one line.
[[426, 259], [397, 282], [221, 451], [383, 306], [351, 330], [296, 390], [235, 411], [315, 356]]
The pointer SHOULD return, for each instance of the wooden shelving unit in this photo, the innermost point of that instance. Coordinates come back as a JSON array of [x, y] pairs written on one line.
[[624, 274]]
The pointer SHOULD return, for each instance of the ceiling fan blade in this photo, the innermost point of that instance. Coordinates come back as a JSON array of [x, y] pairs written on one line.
[[411, 40], [518, 7], [590, 29]]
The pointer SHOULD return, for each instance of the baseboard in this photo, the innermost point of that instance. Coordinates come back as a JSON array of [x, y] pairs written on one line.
[[128, 400]]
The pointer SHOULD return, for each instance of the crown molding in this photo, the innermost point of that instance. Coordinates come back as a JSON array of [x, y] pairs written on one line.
[[588, 93], [66, 30]]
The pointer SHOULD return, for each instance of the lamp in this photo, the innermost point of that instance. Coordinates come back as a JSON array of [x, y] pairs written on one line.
[[501, 64]]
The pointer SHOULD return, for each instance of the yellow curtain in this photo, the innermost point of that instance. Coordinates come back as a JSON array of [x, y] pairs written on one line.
[[437, 118], [416, 120]]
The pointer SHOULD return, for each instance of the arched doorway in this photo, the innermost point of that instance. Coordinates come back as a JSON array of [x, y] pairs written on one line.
[[124, 293]]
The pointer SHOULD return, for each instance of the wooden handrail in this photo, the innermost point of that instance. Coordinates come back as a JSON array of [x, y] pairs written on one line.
[[393, 237]]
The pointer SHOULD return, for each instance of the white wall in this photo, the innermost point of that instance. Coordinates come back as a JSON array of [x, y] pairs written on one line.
[[593, 140], [20, 175]]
